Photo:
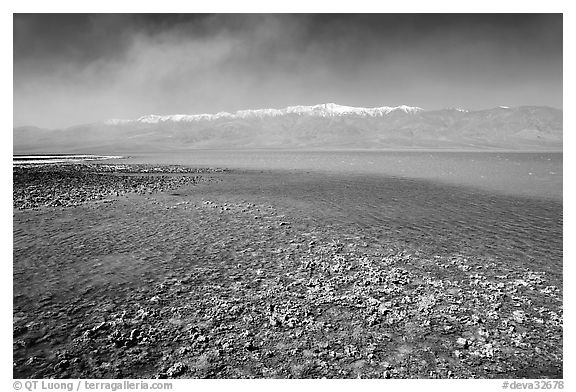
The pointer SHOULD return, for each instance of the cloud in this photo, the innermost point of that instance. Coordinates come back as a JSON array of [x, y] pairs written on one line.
[[71, 69]]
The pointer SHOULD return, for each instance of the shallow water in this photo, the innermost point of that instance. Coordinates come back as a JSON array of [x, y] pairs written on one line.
[[526, 174], [439, 219], [503, 205]]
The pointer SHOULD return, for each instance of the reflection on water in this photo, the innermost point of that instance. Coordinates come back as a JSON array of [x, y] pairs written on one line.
[[527, 174]]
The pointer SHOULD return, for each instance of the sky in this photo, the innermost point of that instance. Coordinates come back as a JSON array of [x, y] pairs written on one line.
[[80, 68]]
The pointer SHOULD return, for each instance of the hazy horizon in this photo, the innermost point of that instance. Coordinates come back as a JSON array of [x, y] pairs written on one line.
[[73, 69], [275, 108]]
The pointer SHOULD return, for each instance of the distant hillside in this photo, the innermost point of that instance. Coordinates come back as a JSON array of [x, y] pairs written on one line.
[[326, 126]]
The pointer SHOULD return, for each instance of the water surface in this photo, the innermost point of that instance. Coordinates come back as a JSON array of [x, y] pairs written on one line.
[[513, 173]]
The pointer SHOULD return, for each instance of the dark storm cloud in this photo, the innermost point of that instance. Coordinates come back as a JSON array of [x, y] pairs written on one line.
[[71, 68]]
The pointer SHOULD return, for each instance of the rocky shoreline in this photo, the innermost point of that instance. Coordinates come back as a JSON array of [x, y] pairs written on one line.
[[66, 185]]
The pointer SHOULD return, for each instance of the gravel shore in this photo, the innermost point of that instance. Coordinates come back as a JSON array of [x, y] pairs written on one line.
[[53, 185]]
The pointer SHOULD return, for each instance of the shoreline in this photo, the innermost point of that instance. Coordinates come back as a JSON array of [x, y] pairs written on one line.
[[26, 160]]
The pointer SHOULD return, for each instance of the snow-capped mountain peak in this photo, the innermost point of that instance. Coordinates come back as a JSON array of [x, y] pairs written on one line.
[[321, 110]]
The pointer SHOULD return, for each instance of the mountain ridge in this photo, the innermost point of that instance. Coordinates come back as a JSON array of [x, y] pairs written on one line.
[[325, 126], [320, 110]]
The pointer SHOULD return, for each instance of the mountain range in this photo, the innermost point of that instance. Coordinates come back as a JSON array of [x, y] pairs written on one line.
[[324, 126]]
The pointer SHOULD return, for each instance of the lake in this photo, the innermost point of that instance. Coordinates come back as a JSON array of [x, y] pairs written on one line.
[[514, 173]]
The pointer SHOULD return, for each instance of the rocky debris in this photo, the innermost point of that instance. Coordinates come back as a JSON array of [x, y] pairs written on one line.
[[463, 343], [148, 168], [519, 316], [68, 185], [176, 370]]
